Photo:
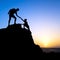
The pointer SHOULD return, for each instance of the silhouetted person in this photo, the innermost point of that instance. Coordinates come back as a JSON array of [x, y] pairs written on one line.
[[26, 24], [11, 14]]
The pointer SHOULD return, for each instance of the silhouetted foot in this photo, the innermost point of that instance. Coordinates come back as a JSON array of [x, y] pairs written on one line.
[[8, 24]]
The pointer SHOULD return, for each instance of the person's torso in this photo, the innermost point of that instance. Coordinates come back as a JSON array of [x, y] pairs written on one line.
[[12, 11], [25, 23]]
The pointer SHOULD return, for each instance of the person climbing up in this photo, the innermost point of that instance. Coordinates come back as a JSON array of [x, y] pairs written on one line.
[[11, 14], [26, 24]]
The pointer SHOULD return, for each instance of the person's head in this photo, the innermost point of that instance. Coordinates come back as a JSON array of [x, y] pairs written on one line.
[[17, 9], [25, 20]]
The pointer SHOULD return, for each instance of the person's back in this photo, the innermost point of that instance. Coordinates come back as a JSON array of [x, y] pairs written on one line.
[[26, 23], [12, 11]]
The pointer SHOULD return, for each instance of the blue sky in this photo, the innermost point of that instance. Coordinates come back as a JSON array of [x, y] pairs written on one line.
[[43, 15]]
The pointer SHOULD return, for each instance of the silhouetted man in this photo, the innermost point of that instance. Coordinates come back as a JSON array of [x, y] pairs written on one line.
[[11, 14], [26, 24]]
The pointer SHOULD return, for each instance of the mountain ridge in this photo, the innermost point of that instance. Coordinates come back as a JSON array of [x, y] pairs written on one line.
[[16, 41]]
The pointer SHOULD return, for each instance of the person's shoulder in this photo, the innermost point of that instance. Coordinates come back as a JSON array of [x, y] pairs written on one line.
[[12, 9]]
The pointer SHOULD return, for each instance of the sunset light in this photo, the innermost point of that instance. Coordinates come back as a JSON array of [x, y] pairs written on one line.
[[45, 42]]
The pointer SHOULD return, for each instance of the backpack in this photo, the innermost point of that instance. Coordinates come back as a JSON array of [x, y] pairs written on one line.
[[11, 10]]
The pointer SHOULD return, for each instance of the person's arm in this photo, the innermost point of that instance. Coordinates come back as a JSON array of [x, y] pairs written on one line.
[[19, 17], [16, 14]]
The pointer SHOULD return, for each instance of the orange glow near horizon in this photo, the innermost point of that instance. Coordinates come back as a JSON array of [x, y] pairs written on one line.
[[47, 40], [47, 43]]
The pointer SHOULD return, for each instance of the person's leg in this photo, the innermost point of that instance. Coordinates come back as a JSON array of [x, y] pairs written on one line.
[[9, 20], [14, 20], [28, 27]]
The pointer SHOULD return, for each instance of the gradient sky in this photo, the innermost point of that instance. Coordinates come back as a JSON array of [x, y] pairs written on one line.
[[43, 17]]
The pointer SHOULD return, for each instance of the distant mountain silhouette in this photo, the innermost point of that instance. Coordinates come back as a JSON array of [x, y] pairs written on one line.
[[17, 41]]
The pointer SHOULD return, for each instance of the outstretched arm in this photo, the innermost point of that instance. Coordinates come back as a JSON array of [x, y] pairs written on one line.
[[16, 14], [19, 17]]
